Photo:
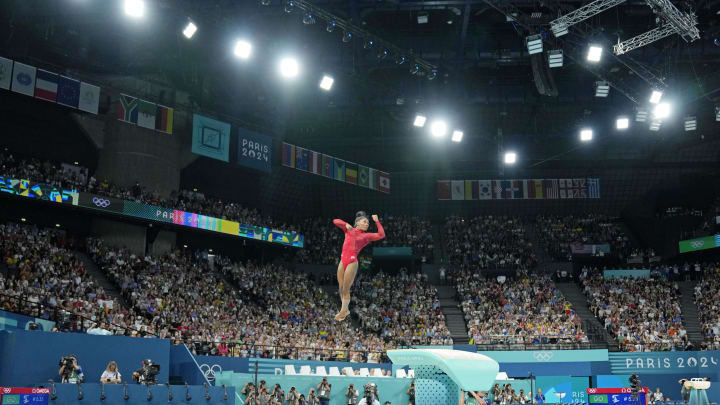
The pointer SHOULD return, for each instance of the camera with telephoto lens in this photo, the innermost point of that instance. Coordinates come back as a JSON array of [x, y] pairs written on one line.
[[370, 392], [150, 372], [67, 362]]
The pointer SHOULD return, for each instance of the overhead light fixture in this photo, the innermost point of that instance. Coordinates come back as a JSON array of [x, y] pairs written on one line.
[[536, 14], [555, 58], [57, 225], [420, 121], [457, 136], [369, 43], [655, 125], [289, 6], [432, 75], [264, 2], [308, 18], [690, 123], [288, 68], [717, 113], [415, 69], [622, 123], [510, 158], [185, 246], [661, 111], [347, 36], [331, 25], [594, 53], [242, 49], [641, 115], [602, 89], [23, 219], [586, 135], [422, 17], [400, 59], [559, 30], [135, 8], [655, 96], [383, 53], [534, 44], [190, 30], [326, 83], [438, 129], [510, 17]]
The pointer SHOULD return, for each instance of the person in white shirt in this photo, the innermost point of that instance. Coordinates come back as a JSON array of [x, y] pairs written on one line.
[[657, 395], [111, 375]]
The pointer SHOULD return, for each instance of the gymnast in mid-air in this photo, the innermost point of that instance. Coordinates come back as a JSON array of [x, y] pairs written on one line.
[[356, 239]]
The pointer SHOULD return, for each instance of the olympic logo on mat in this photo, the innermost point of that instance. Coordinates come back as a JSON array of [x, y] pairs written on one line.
[[210, 371], [697, 244], [543, 356], [101, 202]]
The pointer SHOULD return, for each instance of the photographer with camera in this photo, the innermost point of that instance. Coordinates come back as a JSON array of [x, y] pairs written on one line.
[[146, 375], [111, 375], [369, 395], [352, 395], [411, 393], [292, 396], [323, 391], [312, 398], [70, 371], [277, 395]]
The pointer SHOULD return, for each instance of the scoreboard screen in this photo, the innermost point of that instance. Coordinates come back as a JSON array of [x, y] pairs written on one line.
[[616, 396], [24, 396]]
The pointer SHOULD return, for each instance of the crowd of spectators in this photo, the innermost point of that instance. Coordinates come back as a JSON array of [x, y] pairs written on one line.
[[642, 314], [526, 310], [707, 299], [488, 242], [414, 232], [403, 308], [323, 241], [557, 233]]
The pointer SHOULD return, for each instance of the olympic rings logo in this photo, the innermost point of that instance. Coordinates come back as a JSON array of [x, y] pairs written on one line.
[[6, 390], [101, 202], [697, 244], [543, 356], [210, 371]]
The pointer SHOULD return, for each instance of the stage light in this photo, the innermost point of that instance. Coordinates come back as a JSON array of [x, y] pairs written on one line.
[[555, 58], [622, 123], [289, 6], [534, 44], [655, 125], [288, 68], [422, 17], [586, 135], [559, 30], [432, 75], [690, 123], [438, 129], [190, 30], [717, 113], [594, 53], [57, 225], [400, 59], [23, 219], [326, 83], [656, 96], [602, 89], [135, 8], [641, 115], [243, 49], [457, 136], [415, 69], [661, 111], [331, 26], [369, 43], [264, 2], [347, 36], [420, 121], [383, 54], [510, 158], [308, 18]]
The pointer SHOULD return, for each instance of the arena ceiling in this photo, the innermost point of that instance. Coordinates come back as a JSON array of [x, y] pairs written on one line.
[[485, 84]]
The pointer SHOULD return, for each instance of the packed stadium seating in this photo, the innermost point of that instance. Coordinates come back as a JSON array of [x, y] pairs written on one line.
[[707, 298]]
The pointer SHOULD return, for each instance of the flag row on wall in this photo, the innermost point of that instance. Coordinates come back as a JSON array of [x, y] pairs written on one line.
[[334, 168], [145, 114], [526, 189], [48, 86]]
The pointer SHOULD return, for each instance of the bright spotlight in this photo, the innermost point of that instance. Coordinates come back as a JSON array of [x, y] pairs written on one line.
[[135, 8], [420, 121], [586, 135], [369, 43], [331, 26], [457, 136], [510, 158], [622, 123], [243, 49], [594, 53], [289, 67], [534, 44], [190, 30], [347, 36], [308, 18], [655, 96], [690, 123], [438, 129], [400, 59], [326, 83], [289, 6], [661, 111]]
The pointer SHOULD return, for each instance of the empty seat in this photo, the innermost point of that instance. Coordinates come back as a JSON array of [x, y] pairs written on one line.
[[400, 373], [289, 369], [348, 371], [320, 370], [364, 372], [305, 370], [334, 371]]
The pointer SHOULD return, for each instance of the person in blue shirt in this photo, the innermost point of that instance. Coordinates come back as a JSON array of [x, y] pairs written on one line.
[[540, 398]]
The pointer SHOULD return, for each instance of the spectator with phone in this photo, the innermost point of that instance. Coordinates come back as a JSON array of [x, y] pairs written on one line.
[[111, 375]]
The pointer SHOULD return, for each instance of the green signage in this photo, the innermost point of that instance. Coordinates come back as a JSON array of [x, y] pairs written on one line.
[[692, 245], [598, 399]]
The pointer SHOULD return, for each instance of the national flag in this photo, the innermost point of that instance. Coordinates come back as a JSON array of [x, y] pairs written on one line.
[[339, 171], [551, 188], [372, 178], [497, 190], [535, 189], [443, 190], [288, 155], [485, 189], [351, 172], [90, 98], [146, 114], [301, 158], [565, 188], [23, 79], [128, 109], [328, 166], [468, 189], [68, 93], [316, 167], [593, 188], [458, 189], [6, 67], [519, 189], [311, 162], [363, 173], [507, 189], [383, 182], [46, 85], [164, 119], [579, 188]]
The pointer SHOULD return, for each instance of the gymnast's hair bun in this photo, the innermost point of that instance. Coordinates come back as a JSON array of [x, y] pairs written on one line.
[[360, 214]]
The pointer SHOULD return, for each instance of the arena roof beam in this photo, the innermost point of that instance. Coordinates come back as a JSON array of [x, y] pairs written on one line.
[[560, 25]]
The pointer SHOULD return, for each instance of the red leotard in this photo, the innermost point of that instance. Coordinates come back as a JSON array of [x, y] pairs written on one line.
[[356, 240]]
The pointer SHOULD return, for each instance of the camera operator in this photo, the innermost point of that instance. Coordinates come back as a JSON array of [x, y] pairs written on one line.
[[352, 395], [312, 398], [70, 371], [369, 395], [323, 390], [146, 374], [111, 375], [292, 396], [277, 394], [411, 393]]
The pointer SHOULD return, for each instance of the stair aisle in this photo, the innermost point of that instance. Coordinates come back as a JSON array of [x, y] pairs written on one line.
[[454, 318], [689, 312], [595, 330], [99, 276]]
